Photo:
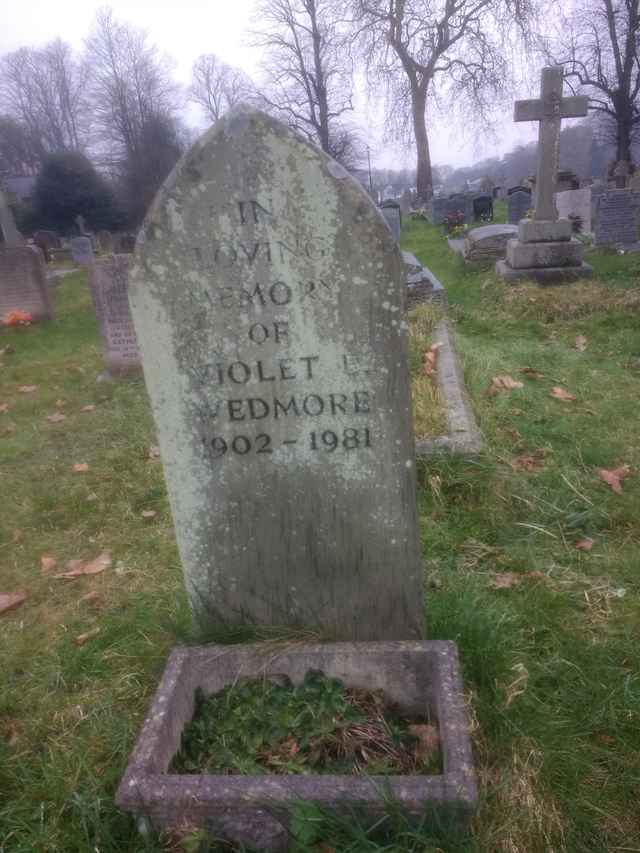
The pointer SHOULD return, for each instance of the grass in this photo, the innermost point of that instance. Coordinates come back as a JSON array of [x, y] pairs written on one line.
[[429, 411], [550, 660]]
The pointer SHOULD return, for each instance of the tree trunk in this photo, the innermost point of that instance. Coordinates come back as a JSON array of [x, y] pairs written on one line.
[[624, 124], [424, 175]]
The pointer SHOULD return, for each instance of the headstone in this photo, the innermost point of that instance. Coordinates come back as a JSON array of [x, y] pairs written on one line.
[[82, 250], [109, 284], [615, 218], [82, 228], [405, 202], [268, 300], [11, 237], [634, 183], [441, 207], [518, 205], [622, 174], [544, 250], [391, 213], [47, 238], [483, 207], [105, 241], [23, 283], [488, 243], [518, 188], [575, 203]]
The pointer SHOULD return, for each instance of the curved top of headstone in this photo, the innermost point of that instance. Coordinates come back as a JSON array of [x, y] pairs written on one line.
[[268, 298]]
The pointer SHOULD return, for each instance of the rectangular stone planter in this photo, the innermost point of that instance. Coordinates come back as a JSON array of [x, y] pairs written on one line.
[[421, 678]]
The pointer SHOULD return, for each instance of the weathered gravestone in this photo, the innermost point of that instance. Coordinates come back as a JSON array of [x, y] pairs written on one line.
[[544, 250], [518, 205], [105, 241], [575, 204], [405, 202], [267, 295], [483, 207], [109, 284], [23, 283], [8, 230], [487, 243], [393, 217], [616, 218], [82, 250]]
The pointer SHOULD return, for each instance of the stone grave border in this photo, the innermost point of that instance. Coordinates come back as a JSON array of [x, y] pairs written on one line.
[[419, 677], [463, 437]]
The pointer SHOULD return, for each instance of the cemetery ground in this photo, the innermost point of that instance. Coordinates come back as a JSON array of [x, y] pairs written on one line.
[[532, 568]]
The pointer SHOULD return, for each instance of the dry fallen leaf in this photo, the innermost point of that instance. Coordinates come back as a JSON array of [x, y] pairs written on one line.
[[11, 600], [6, 350], [506, 580], [94, 598], [559, 393], [154, 452], [428, 740], [528, 461], [81, 467], [10, 732], [503, 383], [47, 563], [89, 408], [60, 404], [78, 568], [92, 497], [56, 418], [430, 359], [581, 343], [17, 535], [4, 407], [27, 389], [585, 544], [8, 429], [148, 513], [615, 477], [81, 639], [532, 373]]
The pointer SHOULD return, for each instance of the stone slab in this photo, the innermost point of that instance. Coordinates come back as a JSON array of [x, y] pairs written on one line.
[[616, 218], [559, 254], [487, 243], [463, 436], [268, 297], [423, 286], [23, 283], [544, 275], [544, 231], [420, 678]]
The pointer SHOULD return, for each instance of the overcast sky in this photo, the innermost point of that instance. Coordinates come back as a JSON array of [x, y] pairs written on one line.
[[186, 28]]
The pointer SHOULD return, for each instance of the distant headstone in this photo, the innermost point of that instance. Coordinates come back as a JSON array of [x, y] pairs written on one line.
[[23, 283], [483, 207], [518, 205], [82, 228], [405, 202], [441, 207], [622, 174], [11, 237], [575, 203], [105, 241], [271, 327], [47, 238], [616, 218], [393, 219], [109, 284], [82, 250], [517, 189]]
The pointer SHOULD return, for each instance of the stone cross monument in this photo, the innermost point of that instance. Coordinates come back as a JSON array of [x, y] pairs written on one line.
[[10, 233], [545, 250], [548, 111]]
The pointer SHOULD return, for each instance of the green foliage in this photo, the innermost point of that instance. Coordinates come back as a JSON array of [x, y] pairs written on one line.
[[259, 726], [69, 185]]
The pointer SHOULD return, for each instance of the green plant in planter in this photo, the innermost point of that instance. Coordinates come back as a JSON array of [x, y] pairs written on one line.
[[320, 726]]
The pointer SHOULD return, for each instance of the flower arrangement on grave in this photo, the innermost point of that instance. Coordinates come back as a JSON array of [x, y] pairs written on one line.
[[454, 222], [17, 318]]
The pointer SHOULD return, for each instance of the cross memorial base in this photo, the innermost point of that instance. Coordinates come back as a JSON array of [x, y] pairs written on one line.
[[422, 679], [544, 275]]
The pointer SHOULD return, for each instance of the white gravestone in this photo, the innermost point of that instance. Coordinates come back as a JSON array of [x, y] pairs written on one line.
[[268, 299]]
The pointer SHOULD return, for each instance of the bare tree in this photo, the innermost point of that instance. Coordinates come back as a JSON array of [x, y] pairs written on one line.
[[309, 70], [43, 89], [17, 155], [599, 46], [217, 87], [131, 83], [422, 47]]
